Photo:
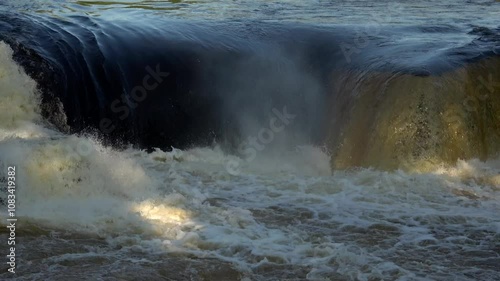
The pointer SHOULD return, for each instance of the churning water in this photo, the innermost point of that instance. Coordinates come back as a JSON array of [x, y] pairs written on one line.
[[374, 163]]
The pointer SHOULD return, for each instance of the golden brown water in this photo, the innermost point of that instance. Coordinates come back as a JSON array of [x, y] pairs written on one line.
[[415, 123], [132, 215]]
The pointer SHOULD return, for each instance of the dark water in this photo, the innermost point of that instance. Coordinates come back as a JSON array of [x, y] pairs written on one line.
[[253, 140], [217, 79]]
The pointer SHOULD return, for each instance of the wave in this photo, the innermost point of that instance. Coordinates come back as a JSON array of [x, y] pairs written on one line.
[[283, 214], [371, 101]]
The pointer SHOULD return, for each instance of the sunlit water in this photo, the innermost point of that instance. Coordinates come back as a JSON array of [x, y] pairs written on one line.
[[90, 212], [461, 12]]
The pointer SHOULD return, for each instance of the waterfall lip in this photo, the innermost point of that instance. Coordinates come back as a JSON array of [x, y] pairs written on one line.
[[88, 63]]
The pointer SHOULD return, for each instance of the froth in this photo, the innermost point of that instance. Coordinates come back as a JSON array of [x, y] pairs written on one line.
[[283, 208], [18, 100]]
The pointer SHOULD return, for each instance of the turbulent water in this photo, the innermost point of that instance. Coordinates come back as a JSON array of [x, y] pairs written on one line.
[[286, 140]]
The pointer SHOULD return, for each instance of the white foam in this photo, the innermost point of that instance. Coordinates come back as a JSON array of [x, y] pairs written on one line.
[[18, 100], [282, 208]]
